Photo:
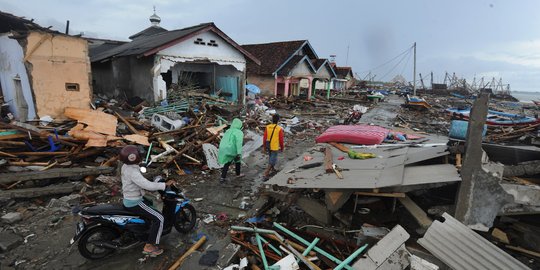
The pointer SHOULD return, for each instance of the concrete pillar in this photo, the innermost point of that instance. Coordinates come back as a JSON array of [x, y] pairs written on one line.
[[275, 86], [327, 89], [480, 195], [286, 91], [310, 81]]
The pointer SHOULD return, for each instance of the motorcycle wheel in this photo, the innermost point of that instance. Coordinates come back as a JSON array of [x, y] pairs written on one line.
[[185, 219], [88, 243]]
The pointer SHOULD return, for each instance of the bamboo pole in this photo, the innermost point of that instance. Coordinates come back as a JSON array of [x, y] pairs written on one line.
[[187, 253]]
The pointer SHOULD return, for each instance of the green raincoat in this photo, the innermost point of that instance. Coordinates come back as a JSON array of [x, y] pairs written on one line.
[[231, 143]]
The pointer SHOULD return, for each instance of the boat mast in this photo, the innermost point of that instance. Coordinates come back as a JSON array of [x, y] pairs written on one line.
[[414, 71]]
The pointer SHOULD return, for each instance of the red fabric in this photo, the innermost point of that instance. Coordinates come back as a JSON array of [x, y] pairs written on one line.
[[281, 147], [354, 134]]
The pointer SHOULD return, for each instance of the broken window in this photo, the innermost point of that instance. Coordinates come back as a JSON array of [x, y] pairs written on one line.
[[72, 87], [212, 43], [199, 41]]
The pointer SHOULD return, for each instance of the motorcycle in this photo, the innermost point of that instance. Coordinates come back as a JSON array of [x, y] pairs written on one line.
[[353, 118], [105, 228]]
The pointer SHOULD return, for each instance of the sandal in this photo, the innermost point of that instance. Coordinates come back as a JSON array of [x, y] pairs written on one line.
[[153, 252], [240, 175]]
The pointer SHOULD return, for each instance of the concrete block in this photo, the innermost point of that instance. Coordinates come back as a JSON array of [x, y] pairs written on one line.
[[12, 217], [9, 241]]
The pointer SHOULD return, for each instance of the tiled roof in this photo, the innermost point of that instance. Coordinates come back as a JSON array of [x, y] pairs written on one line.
[[147, 45], [342, 72], [317, 63], [152, 30], [144, 44], [285, 70], [272, 55]]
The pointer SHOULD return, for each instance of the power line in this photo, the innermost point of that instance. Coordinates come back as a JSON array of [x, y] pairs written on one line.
[[387, 62], [396, 65]]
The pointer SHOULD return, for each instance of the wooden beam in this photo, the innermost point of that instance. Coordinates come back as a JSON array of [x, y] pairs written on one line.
[[52, 173], [524, 251], [417, 212], [339, 146], [328, 160], [39, 154], [128, 124], [377, 194], [39, 191]]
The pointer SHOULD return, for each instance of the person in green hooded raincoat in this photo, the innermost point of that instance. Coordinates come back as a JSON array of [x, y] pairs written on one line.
[[230, 149]]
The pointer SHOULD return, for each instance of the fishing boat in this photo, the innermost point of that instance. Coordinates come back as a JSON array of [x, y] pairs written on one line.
[[496, 118], [417, 102], [375, 96]]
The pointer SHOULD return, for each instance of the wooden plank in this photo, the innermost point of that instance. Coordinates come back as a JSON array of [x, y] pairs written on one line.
[[97, 121], [52, 173], [128, 124], [40, 191], [524, 251], [216, 130], [39, 154], [137, 138], [417, 212], [377, 194], [328, 160], [7, 154], [109, 163], [500, 235], [340, 147]]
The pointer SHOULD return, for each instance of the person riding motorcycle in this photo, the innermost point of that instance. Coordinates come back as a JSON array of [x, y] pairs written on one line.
[[133, 186]]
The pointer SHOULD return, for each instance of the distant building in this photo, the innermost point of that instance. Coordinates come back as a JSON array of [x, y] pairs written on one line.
[[200, 57], [345, 78], [42, 71], [288, 68]]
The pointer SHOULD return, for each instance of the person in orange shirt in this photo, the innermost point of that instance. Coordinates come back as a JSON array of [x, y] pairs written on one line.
[[273, 142]]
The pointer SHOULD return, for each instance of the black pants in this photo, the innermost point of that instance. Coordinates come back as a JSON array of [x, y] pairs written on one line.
[[225, 168], [156, 221]]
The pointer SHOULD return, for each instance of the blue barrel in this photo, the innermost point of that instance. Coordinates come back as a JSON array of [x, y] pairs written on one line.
[[458, 129]]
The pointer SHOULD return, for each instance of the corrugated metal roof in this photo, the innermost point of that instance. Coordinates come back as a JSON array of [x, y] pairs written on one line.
[[461, 248]]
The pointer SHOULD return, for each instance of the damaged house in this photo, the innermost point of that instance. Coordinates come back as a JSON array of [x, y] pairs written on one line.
[[41, 71], [288, 68], [344, 80], [199, 57]]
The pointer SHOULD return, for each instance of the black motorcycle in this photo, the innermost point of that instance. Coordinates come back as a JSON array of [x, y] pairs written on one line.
[[105, 228]]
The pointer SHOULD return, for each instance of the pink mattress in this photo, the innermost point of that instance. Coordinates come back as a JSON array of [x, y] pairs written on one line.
[[354, 134]]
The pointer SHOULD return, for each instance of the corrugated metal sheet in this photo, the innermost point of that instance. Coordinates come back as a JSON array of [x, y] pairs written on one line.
[[461, 248], [393, 168]]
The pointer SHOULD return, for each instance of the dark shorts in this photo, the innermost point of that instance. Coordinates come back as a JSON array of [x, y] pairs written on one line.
[[272, 158]]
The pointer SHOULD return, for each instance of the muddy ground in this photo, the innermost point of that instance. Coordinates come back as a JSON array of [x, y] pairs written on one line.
[[42, 237]]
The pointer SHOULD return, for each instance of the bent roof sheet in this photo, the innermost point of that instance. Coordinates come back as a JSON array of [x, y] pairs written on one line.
[[461, 248]]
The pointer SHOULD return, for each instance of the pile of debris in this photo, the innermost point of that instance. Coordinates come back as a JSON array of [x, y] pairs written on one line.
[[86, 144]]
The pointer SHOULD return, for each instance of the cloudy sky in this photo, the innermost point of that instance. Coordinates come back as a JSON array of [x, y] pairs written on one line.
[[478, 38]]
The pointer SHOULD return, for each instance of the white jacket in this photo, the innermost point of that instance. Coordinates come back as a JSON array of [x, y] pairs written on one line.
[[134, 184]]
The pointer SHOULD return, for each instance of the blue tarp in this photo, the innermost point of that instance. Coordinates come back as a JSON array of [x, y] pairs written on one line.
[[253, 88]]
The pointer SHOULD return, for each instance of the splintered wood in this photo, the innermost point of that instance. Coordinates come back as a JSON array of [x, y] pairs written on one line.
[[96, 121]]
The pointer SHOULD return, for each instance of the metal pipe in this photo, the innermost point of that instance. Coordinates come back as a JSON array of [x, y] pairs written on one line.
[[305, 242], [255, 230], [310, 247], [261, 250], [148, 154], [349, 259], [271, 246]]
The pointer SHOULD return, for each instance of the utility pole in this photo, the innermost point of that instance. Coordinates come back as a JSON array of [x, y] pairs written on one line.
[[431, 80], [347, 60], [422, 81], [414, 71]]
